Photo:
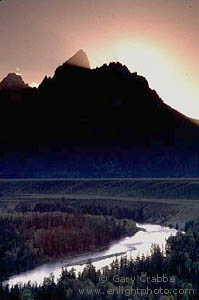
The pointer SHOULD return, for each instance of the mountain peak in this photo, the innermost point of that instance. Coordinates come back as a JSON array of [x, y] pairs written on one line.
[[79, 59], [12, 81]]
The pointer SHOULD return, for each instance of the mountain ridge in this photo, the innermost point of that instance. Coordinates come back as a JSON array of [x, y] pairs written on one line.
[[100, 121]]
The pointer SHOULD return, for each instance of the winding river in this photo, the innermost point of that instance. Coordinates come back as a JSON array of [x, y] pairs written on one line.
[[140, 243]]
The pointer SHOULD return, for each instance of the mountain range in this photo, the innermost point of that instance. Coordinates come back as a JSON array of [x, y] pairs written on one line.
[[102, 122]]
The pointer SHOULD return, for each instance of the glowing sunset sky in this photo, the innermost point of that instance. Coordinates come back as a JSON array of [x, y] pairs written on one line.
[[156, 38]]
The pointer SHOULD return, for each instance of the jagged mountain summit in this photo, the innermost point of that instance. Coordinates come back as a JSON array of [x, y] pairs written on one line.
[[79, 59], [13, 81], [98, 122]]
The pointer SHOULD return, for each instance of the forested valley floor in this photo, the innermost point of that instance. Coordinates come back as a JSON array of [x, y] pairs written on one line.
[[37, 227]]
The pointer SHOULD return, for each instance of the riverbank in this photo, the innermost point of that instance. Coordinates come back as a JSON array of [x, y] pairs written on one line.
[[77, 257], [131, 246], [34, 238]]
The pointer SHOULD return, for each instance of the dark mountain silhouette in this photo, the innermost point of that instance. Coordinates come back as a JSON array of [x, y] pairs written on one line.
[[103, 122], [80, 59], [12, 82]]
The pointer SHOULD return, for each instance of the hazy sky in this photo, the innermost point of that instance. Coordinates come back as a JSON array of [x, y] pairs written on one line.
[[156, 38]]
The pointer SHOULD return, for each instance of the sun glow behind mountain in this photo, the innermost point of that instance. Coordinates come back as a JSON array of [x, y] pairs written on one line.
[[157, 39], [161, 69], [34, 85]]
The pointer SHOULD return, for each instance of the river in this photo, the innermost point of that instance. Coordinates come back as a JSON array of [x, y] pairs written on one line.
[[140, 243]]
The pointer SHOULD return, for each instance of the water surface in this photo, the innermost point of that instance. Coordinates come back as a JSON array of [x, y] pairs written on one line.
[[131, 246]]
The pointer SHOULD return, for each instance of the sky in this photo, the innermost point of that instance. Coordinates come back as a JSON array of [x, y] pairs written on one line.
[[158, 39]]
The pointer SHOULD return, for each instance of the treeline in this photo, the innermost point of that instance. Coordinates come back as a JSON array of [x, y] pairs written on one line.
[[93, 207], [31, 238], [183, 253], [154, 277], [134, 210]]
